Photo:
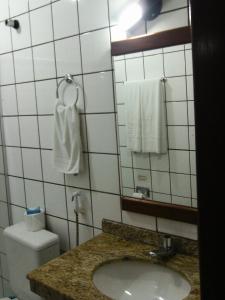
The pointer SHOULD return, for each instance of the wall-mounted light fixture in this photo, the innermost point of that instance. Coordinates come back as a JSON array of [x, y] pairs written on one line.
[[142, 9], [12, 23], [130, 16]]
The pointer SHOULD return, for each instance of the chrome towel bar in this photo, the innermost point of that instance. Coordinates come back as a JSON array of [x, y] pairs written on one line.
[[68, 78]]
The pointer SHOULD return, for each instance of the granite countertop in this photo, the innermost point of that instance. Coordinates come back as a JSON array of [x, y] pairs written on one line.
[[69, 277]]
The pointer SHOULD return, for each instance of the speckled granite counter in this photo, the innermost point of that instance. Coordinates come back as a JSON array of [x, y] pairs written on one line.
[[69, 277]]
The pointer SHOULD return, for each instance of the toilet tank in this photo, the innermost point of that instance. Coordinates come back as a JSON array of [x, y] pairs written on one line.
[[26, 251]]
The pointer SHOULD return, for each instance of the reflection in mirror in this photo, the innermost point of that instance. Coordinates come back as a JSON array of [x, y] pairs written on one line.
[[168, 176], [166, 14]]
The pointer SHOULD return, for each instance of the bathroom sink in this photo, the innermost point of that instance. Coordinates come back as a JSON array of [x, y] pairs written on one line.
[[133, 279]]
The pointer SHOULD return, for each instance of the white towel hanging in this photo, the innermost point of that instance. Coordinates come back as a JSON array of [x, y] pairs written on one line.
[[146, 121], [67, 150]]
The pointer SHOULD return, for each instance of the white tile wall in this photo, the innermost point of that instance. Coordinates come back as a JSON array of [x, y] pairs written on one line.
[[2, 167], [5, 33], [3, 188], [93, 14], [14, 161], [62, 44], [45, 93], [106, 142], [23, 65], [95, 47], [11, 131], [177, 113], [34, 193], [38, 3], [153, 66], [50, 174], [46, 131], [175, 4], [21, 38], [70, 27], [177, 228], [32, 163], [176, 89], [6, 69], [171, 20], [18, 7], [85, 233], [104, 173], [29, 132], [161, 182], [41, 34], [99, 92], [134, 69], [17, 195], [44, 64], [138, 220], [142, 178], [68, 56], [4, 12], [4, 218], [55, 200], [174, 63], [8, 100], [17, 214], [26, 99], [105, 206]]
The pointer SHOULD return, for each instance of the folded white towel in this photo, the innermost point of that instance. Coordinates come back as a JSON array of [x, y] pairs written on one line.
[[67, 149], [146, 120]]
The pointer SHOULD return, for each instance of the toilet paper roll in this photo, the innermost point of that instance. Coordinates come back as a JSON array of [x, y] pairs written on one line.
[[35, 222]]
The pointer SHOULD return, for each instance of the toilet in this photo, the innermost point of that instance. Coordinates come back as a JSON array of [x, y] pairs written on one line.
[[25, 251]]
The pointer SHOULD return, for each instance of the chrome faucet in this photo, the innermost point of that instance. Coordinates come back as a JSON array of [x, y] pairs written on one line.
[[166, 248]]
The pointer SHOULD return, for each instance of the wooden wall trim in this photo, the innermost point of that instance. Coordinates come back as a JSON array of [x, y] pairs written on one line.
[[159, 209], [158, 40]]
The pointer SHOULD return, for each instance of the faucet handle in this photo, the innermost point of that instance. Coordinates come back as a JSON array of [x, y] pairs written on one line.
[[166, 248], [167, 242]]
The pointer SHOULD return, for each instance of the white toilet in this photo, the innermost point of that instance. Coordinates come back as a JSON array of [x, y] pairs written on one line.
[[26, 251]]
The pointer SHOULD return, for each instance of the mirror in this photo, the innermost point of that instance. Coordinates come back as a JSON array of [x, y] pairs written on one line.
[[166, 14], [168, 177]]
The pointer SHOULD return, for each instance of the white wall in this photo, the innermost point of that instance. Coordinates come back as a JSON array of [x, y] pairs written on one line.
[[57, 38]]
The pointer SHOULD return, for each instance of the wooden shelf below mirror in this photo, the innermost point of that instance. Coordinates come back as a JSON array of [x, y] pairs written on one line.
[[161, 210], [161, 39]]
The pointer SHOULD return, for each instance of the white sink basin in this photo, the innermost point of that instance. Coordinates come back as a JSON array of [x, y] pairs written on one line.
[[123, 280]]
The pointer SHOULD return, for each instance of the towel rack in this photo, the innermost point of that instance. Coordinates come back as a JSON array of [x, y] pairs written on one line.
[[163, 79], [69, 79]]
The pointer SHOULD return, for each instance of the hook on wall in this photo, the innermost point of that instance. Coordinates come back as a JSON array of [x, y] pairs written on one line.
[[12, 23]]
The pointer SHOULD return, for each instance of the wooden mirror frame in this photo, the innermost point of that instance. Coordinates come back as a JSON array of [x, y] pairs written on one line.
[[162, 39], [159, 209]]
